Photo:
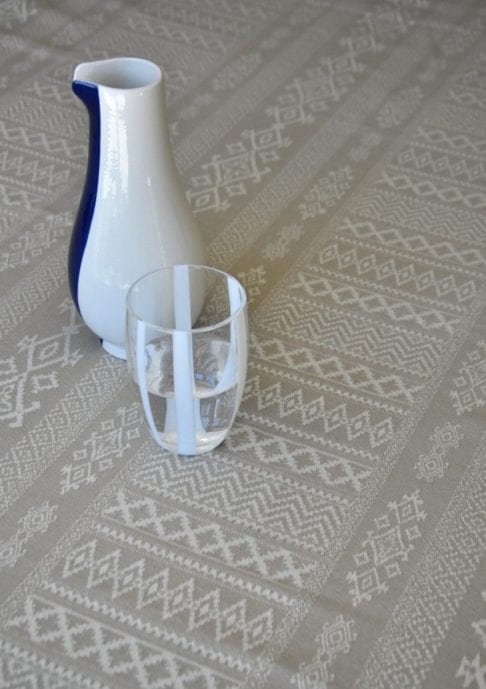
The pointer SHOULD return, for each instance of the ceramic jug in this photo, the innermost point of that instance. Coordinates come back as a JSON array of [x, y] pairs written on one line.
[[133, 215]]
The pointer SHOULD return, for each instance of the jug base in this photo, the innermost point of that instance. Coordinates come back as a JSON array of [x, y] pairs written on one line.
[[114, 350]]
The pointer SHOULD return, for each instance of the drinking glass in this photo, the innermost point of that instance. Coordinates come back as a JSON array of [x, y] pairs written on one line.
[[187, 349]]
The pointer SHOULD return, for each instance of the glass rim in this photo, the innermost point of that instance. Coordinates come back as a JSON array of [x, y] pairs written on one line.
[[206, 328]]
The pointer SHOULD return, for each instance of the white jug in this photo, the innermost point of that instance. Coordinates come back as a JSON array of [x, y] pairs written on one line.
[[133, 215]]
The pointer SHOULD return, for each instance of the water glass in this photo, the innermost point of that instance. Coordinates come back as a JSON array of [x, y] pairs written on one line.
[[187, 349]]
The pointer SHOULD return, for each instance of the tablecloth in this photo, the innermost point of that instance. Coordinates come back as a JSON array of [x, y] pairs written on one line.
[[333, 152]]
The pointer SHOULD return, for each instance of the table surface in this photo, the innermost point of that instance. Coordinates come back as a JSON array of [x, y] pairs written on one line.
[[334, 155]]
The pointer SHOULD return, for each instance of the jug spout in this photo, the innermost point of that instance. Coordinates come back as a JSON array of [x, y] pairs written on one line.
[[118, 73]]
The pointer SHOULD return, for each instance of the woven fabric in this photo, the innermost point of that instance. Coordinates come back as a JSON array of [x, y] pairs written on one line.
[[334, 154]]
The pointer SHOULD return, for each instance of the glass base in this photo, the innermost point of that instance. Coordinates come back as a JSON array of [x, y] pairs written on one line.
[[204, 442]]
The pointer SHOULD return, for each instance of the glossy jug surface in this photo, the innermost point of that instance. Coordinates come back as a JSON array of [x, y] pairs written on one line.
[[133, 215]]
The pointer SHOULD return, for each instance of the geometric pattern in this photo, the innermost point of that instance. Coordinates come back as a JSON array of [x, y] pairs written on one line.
[[46, 442], [250, 158], [385, 547], [102, 448], [37, 520], [232, 74], [393, 306], [326, 193], [315, 416], [281, 246], [391, 270], [363, 149], [298, 459], [335, 638], [336, 157], [16, 671], [51, 143], [32, 291], [432, 464], [399, 107], [355, 376], [441, 190], [172, 598], [252, 280], [24, 379], [473, 672], [209, 538], [479, 626], [112, 652], [439, 248], [34, 243], [289, 516], [353, 334], [36, 172], [470, 385], [426, 217], [411, 638]]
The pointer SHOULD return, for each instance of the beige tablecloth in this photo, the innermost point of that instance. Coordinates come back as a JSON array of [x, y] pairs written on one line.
[[334, 154]]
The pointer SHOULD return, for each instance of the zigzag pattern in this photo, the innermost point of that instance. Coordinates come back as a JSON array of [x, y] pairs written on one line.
[[443, 191], [219, 23], [16, 673], [442, 164], [324, 289], [33, 171], [379, 341], [110, 651], [384, 268], [301, 459], [55, 118], [337, 370], [208, 539], [13, 198], [232, 8], [18, 135], [244, 498], [467, 97], [417, 243], [423, 216], [164, 635], [175, 597], [52, 92], [151, 26], [306, 518], [375, 341], [287, 400], [457, 142]]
